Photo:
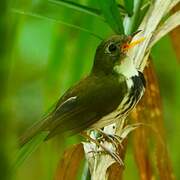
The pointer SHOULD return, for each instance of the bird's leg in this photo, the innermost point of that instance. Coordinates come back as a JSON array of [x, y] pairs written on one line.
[[118, 139], [114, 155], [113, 138]]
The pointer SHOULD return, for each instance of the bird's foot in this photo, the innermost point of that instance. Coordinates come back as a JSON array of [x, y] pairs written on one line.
[[112, 138], [100, 143]]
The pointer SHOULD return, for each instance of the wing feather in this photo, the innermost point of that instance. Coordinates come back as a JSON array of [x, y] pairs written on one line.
[[84, 104]]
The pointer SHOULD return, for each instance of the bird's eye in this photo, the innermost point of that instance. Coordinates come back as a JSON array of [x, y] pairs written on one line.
[[111, 48]]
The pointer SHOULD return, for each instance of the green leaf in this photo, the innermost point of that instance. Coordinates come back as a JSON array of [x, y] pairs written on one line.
[[112, 15], [38, 15], [130, 23], [129, 5], [25, 151], [77, 7]]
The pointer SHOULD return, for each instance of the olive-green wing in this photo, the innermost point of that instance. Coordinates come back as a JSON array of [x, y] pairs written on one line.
[[85, 104]]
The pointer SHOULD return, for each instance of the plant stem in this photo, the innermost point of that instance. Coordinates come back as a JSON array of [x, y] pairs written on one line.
[[130, 22]]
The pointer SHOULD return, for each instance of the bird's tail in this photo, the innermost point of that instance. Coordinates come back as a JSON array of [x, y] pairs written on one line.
[[30, 133], [29, 142]]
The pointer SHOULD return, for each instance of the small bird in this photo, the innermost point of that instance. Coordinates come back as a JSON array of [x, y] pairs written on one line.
[[107, 94]]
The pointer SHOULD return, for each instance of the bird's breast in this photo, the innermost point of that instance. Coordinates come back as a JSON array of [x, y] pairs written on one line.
[[135, 90], [136, 87]]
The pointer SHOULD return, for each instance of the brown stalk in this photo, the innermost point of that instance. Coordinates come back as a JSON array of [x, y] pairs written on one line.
[[175, 35], [149, 112], [69, 164]]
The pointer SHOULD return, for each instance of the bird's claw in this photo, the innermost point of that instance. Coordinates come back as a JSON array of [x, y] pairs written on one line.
[[99, 142], [112, 138]]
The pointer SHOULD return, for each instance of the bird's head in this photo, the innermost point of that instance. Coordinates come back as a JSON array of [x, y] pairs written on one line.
[[112, 51]]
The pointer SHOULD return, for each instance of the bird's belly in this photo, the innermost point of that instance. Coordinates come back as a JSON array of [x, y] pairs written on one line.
[[113, 116]]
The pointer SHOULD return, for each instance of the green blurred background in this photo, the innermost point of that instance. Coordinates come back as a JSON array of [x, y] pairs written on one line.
[[46, 57]]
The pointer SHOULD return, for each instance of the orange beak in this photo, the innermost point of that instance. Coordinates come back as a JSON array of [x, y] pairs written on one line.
[[132, 44]]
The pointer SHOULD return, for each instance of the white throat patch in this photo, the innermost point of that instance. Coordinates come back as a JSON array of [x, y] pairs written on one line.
[[127, 68]]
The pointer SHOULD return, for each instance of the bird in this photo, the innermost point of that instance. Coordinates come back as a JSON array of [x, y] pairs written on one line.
[[109, 93]]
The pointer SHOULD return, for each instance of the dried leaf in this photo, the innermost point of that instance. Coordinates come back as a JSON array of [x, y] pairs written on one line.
[[173, 4], [175, 36], [69, 164], [156, 115], [171, 23], [153, 17], [128, 129], [149, 24]]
